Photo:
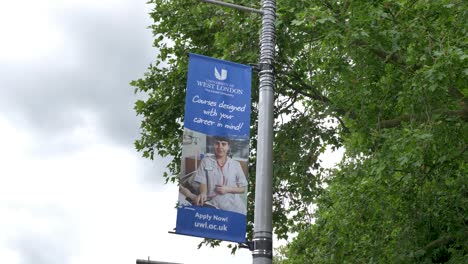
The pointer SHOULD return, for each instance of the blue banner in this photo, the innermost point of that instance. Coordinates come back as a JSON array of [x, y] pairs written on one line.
[[218, 97], [213, 181]]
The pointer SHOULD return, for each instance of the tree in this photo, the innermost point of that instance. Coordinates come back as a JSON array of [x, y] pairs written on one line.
[[385, 80]]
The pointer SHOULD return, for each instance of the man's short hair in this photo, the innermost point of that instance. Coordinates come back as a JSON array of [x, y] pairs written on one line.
[[220, 138]]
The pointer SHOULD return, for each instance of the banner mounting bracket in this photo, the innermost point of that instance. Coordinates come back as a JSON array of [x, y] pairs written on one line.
[[238, 7]]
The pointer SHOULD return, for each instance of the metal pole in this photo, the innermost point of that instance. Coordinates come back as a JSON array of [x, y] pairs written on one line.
[[262, 250], [263, 231]]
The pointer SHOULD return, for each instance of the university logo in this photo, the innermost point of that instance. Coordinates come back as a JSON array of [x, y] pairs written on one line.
[[221, 76]]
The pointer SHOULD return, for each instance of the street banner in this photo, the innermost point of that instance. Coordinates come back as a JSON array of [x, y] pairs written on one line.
[[213, 181]]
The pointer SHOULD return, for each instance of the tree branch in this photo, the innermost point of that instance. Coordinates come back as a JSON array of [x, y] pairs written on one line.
[[292, 100], [391, 123], [314, 95], [441, 241], [385, 56], [318, 97]]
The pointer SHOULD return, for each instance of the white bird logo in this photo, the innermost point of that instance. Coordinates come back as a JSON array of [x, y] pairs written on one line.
[[221, 76]]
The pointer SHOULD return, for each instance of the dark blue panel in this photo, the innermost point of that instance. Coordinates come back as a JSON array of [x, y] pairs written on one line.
[[211, 223], [218, 97]]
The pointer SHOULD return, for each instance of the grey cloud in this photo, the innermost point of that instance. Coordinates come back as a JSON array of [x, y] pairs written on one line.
[[104, 52], [54, 242], [40, 249], [48, 97], [150, 174]]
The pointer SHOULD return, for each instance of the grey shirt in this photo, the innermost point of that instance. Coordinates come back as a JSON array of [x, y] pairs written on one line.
[[231, 174]]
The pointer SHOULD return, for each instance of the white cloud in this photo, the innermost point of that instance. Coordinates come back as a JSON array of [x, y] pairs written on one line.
[[27, 32], [72, 188], [8, 255], [88, 207]]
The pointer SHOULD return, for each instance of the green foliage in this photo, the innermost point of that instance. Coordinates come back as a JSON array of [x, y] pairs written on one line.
[[404, 204], [385, 80]]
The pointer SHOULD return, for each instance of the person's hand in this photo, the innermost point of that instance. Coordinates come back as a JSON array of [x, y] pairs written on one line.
[[221, 189], [200, 199], [187, 193], [192, 197]]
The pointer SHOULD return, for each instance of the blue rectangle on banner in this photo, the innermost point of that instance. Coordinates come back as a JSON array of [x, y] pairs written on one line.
[[214, 171], [218, 97], [211, 223]]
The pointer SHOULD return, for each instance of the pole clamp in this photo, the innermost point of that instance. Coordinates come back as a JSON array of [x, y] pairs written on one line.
[[263, 66], [262, 247]]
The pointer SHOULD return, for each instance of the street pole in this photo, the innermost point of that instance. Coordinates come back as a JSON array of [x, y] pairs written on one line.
[[262, 246], [263, 231]]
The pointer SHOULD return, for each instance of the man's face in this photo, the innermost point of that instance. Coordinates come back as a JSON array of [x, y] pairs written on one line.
[[221, 148]]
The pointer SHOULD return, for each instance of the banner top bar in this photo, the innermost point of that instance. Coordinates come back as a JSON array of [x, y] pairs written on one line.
[[239, 7]]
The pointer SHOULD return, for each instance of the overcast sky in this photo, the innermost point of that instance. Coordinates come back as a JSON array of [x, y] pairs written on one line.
[[72, 188]]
